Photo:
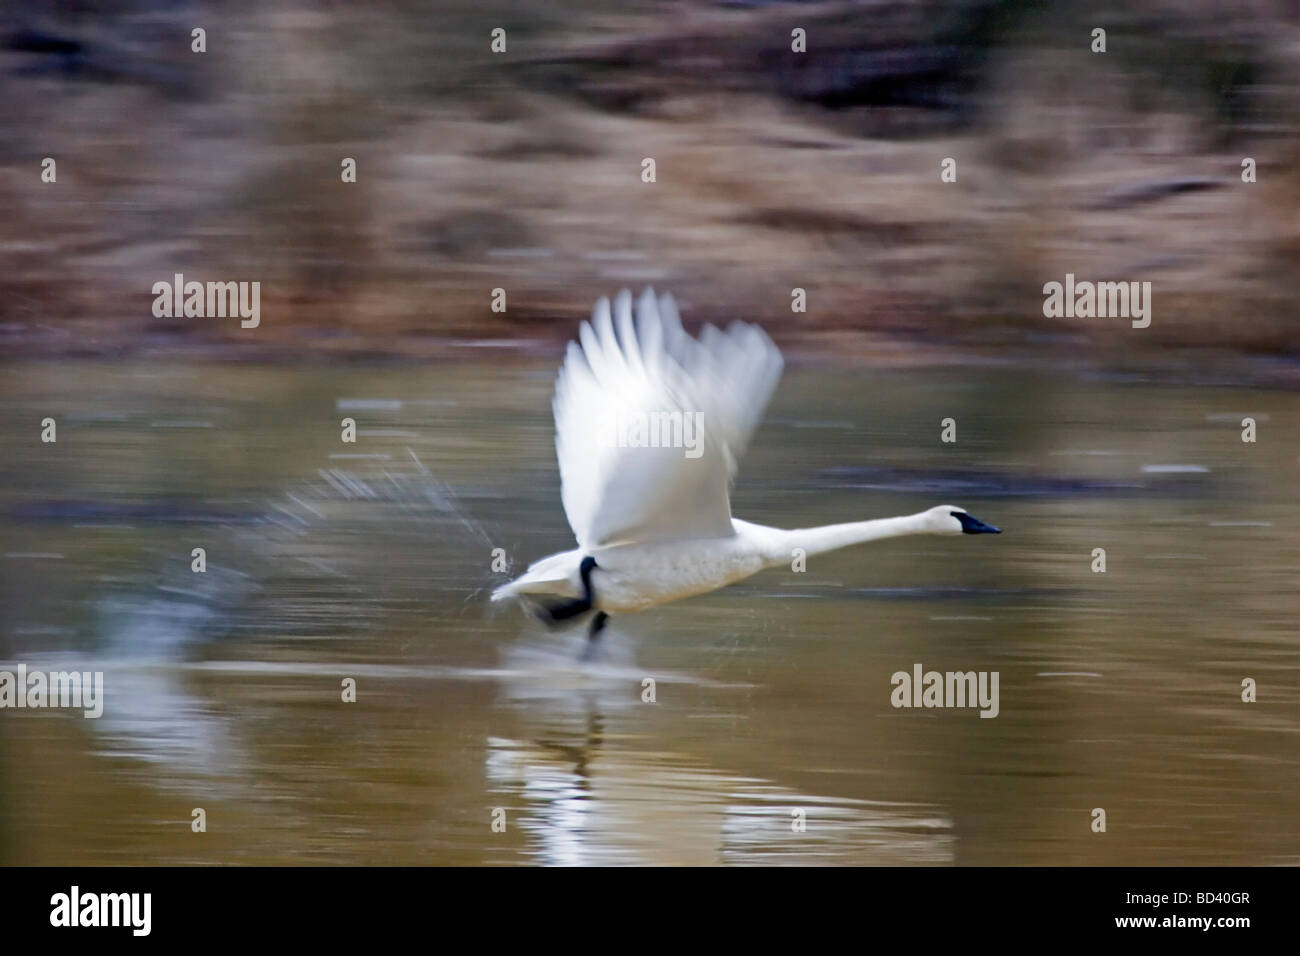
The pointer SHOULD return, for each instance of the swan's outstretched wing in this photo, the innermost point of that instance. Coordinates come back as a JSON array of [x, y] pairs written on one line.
[[649, 371]]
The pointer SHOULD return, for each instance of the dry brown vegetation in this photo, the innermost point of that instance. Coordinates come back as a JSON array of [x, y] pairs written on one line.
[[775, 170]]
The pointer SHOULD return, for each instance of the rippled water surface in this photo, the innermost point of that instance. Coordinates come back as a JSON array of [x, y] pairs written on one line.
[[373, 562]]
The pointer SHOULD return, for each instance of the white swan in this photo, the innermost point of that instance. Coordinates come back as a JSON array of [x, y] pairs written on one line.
[[650, 424]]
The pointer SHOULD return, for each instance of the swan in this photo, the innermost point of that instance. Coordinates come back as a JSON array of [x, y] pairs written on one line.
[[650, 425]]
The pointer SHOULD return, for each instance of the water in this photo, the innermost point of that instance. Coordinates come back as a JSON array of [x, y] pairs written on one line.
[[373, 561]]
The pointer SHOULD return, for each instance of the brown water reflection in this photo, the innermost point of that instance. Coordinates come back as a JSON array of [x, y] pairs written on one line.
[[1118, 690]]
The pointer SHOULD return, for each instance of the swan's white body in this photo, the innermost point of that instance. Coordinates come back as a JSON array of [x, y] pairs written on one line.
[[657, 520]]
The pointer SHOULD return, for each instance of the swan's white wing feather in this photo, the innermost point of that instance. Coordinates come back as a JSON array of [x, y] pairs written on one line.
[[627, 366]]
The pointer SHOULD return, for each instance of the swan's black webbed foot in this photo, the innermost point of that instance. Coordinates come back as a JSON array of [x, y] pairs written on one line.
[[597, 625], [562, 612]]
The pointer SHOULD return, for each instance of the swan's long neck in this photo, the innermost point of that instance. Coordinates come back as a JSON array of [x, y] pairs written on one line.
[[831, 537]]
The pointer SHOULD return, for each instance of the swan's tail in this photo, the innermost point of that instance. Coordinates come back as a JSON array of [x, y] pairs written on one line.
[[552, 576], [506, 592], [513, 592]]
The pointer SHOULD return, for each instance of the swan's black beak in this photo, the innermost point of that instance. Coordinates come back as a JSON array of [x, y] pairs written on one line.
[[972, 525]]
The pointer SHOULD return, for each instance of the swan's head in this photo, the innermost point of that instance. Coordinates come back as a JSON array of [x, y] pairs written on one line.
[[949, 519]]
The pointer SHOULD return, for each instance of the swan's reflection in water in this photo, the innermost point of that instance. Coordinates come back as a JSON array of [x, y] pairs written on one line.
[[585, 780], [587, 802], [588, 788]]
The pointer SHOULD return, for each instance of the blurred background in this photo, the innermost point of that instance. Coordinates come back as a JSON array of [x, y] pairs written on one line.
[[522, 171], [774, 169]]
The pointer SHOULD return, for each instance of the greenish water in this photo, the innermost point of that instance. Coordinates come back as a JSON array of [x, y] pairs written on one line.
[[1119, 690]]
